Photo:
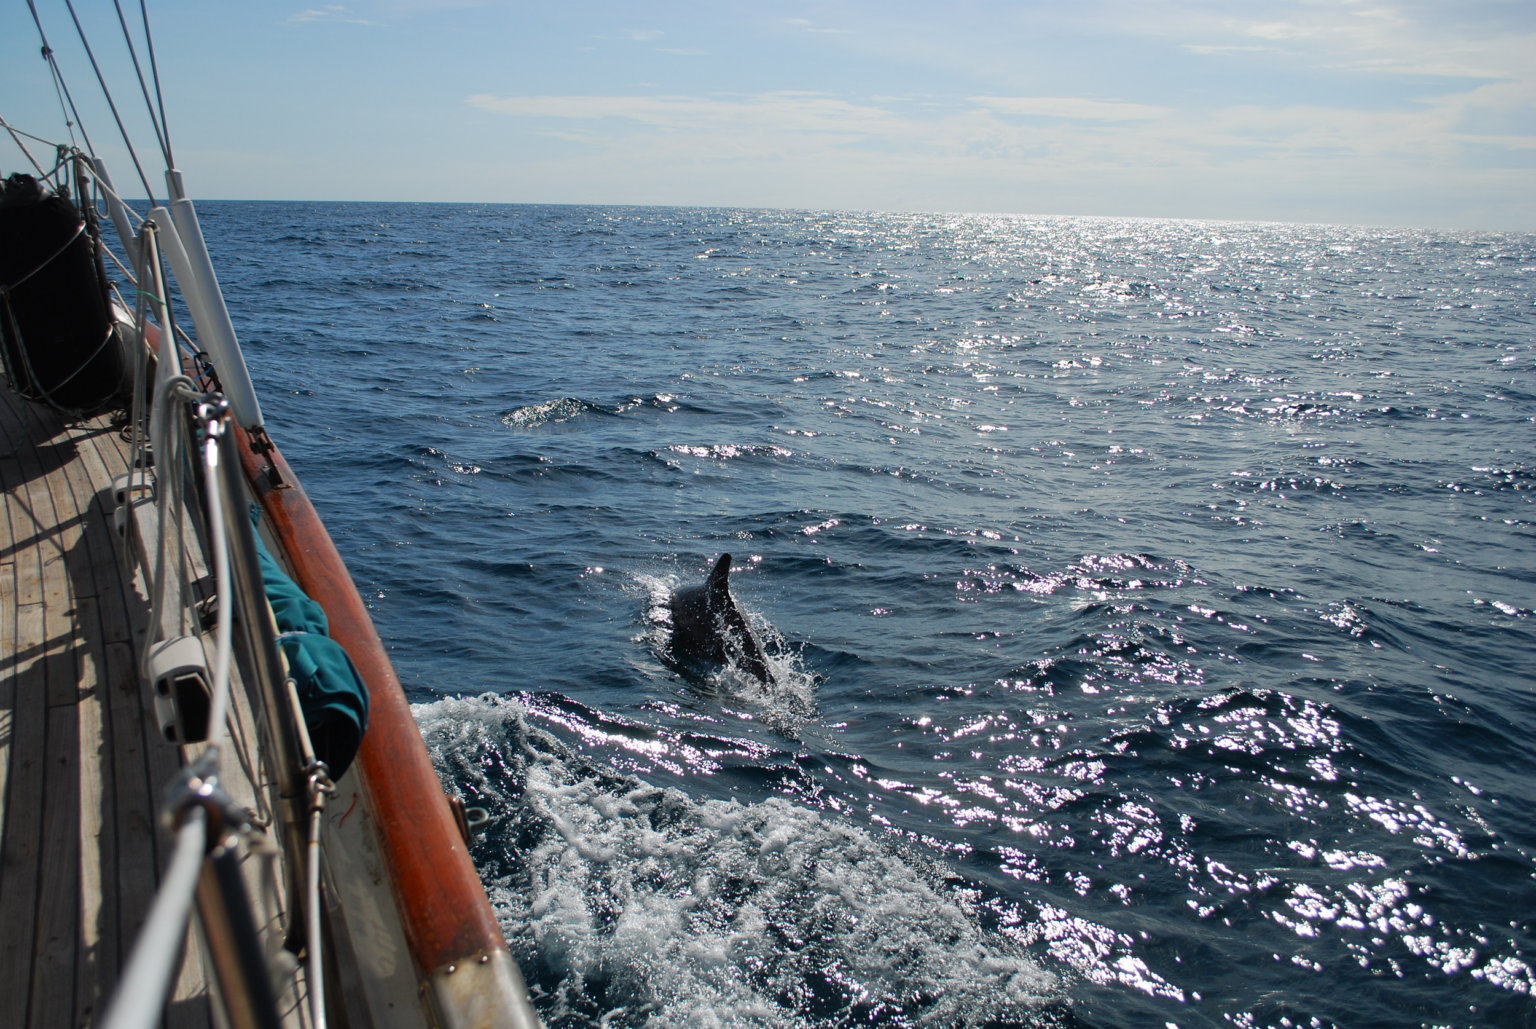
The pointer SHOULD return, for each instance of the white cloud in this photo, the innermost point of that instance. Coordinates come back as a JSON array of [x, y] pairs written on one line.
[[1213, 48], [1451, 41], [785, 112], [643, 35], [331, 13], [1087, 156], [809, 26], [1070, 107], [1278, 31], [1128, 133]]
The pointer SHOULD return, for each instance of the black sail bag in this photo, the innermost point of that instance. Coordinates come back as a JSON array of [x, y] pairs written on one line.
[[60, 344]]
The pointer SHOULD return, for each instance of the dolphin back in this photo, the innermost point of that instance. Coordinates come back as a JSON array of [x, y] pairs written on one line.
[[705, 616]]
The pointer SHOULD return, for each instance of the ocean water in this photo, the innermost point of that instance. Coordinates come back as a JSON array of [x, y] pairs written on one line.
[[1150, 602]]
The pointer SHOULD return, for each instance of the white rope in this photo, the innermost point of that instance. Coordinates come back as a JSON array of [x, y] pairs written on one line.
[[140, 997]]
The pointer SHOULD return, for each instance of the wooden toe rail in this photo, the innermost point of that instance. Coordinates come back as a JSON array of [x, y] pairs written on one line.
[[447, 918]]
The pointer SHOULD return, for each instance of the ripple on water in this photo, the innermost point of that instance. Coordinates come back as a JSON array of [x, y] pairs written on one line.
[[1165, 583]]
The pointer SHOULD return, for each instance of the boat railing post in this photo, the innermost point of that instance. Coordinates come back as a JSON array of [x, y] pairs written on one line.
[[232, 941], [259, 638], [118, 212], [181, 267], [215, 331]]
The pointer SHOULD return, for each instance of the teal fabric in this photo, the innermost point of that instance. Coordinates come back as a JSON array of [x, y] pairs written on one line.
[[331, 692]]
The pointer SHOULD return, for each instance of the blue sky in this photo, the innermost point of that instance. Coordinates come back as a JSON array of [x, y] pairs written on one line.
[[1370, 112]]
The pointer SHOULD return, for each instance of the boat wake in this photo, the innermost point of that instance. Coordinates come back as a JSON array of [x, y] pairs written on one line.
[[626, 904]]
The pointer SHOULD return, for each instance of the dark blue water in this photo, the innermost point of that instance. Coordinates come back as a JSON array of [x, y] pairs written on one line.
[[1150, 601]]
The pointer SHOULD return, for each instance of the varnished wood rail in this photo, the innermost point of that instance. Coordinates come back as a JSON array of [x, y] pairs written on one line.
[[460, 954]]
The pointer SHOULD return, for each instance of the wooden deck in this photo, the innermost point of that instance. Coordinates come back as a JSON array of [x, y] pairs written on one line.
[[82, 760]]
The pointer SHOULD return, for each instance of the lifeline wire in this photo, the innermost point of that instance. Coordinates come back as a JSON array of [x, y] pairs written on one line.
[[23, 146], [22, 132], [108, 94]]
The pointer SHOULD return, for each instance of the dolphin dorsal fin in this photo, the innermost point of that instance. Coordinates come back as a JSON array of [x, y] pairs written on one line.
[[719, 581]]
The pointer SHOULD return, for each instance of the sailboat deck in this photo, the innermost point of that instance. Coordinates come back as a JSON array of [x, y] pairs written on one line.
[[82, 760]]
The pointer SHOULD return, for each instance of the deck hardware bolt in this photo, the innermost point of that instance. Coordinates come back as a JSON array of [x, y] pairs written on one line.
[[452, 969], [484, 958]]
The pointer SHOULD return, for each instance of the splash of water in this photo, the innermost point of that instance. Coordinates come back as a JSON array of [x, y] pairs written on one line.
[[784, 705], [627, 904]]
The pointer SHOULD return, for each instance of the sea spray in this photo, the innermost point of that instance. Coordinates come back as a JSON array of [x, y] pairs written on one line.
[[629, 904], [783, 704]]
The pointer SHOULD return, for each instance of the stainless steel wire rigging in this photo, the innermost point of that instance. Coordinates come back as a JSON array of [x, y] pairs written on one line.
[[128, 142], [58, 80]]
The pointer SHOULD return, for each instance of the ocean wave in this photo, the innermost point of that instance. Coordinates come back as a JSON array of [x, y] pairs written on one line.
[[561, 410], [628, 904]]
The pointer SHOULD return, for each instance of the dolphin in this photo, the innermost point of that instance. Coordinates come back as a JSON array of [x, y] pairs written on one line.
[[707, 623]]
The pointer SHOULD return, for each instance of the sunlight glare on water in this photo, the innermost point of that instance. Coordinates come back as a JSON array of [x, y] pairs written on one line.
[[1149, 602]]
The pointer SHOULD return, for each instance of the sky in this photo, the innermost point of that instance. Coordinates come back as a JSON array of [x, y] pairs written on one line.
[[1377, 113]]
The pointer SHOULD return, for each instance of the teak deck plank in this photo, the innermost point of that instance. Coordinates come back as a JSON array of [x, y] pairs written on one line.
[[58, 900], [93, 561], [55, 932], [106, 558], [136, 779], [96, 957], [82, 761], [21, 849], [133, 809]]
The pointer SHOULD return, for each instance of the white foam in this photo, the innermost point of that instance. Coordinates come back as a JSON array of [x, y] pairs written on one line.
[[631, 903], [559, 410]]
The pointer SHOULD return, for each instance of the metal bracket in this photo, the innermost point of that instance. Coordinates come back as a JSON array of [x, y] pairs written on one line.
[[197, 785], [483, 991]]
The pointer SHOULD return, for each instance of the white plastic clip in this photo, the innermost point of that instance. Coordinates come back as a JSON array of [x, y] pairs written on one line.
[[142, 483], [179, 670]]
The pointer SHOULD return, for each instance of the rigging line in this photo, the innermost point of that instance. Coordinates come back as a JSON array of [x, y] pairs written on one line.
[[40, 173], [11, 128], [143, 88], [58, 75], [53, 70], [154, 71], [54, 64], [132, 281], [108, 94]]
